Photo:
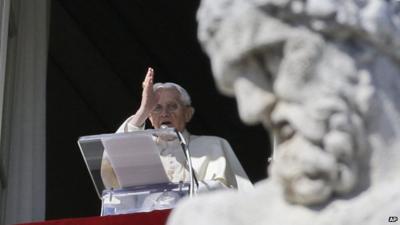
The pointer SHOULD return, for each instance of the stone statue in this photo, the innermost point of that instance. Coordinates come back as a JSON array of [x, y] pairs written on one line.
[[324, 77]]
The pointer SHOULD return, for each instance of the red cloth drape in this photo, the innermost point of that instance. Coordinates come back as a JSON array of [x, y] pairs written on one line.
[[150, 218]]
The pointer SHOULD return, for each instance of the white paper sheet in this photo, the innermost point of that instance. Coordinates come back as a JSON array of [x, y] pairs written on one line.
[[135, 159]]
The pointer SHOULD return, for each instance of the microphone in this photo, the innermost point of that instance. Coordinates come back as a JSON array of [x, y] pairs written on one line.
[[166, 133], [171, 133]]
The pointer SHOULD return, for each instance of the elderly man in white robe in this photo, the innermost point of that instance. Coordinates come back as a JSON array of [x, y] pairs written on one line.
[[214, 162]]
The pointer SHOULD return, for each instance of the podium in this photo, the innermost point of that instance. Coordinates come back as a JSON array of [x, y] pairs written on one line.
[[142, 183]]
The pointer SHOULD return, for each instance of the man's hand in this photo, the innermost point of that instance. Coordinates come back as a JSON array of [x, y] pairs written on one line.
[[149, 100]]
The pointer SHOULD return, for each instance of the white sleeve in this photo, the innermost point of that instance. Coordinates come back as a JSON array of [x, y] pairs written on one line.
[[235, 172], [210, 185], [128, 127]]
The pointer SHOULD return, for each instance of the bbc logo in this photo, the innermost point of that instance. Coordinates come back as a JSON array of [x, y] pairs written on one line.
[[393, 219]]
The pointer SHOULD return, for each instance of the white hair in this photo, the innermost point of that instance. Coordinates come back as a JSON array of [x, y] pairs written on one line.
[[184, 95]]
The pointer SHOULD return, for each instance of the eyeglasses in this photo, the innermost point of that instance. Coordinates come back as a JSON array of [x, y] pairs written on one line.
[[169, 108]]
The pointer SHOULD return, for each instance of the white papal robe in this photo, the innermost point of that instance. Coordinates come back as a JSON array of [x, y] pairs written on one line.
[[214, 162]]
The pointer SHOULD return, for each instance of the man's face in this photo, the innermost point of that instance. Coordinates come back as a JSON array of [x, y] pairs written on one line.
[[170, 110]]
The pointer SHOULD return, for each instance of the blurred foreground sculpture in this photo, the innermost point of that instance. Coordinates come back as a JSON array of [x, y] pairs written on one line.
[[324, 76]]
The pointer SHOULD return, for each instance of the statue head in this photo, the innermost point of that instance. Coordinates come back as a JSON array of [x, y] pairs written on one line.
[[307, 70]]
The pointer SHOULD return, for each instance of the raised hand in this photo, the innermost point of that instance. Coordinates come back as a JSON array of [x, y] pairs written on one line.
[[149, 100]]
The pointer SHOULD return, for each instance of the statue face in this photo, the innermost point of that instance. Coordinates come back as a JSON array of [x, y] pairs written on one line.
[[311, 93], [308, 104]]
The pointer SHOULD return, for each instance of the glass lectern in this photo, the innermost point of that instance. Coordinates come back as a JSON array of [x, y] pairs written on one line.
[[142, 184]]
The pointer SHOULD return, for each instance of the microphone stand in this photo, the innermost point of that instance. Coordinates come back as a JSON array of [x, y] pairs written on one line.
[[192, 175]]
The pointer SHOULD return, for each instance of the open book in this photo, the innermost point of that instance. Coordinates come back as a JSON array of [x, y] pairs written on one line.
[[135, 159]]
